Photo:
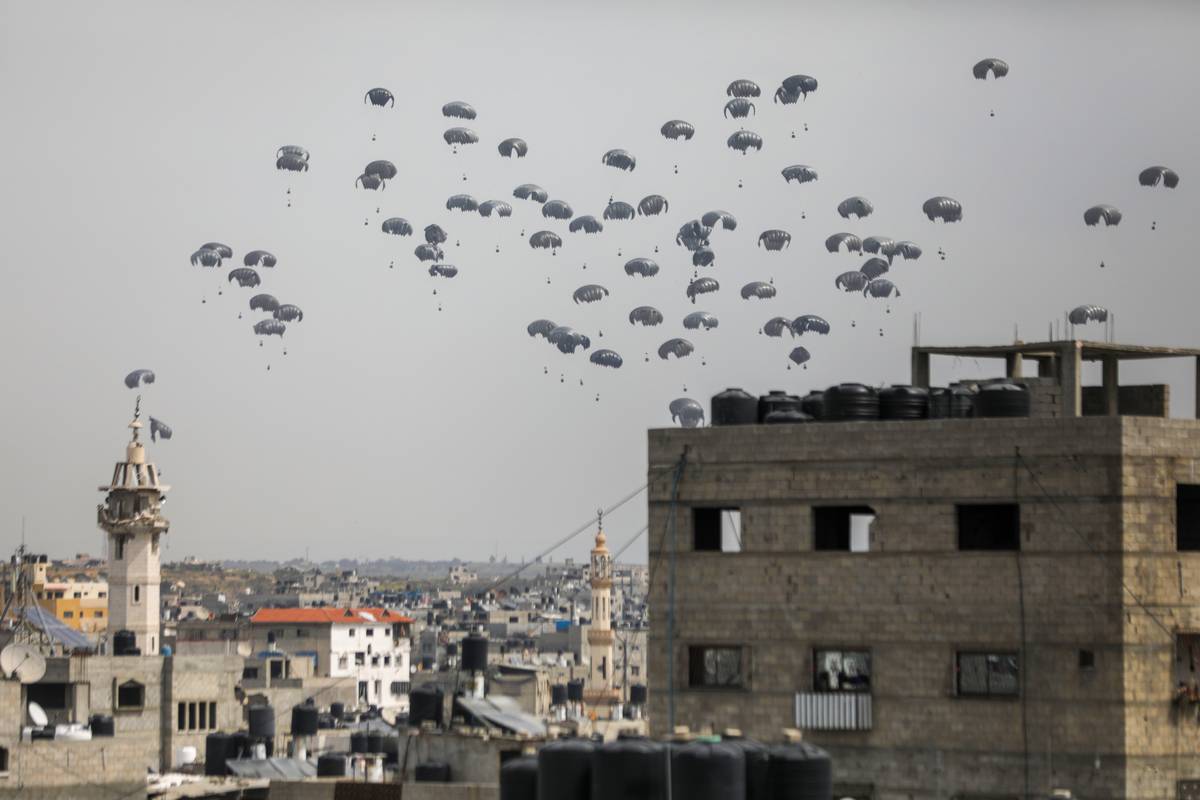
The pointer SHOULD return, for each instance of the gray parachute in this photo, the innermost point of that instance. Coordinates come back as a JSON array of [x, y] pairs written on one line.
[[540, 327], [909, 251], [687, 412], [557, 209], [263, 302], [743, 88], [288, 313], [1151, 176], [851, 281], [775, 327], [728, 221], [652, 205], [774, 239], [701, 286], [606, 358], [223, 249], [700, 319], [379, 97], [619, 209], [369, 180], [1110, 214], [384, 169], [270, 327], [435, 235], [244, 277], [589, 293], [497, 207], [567, 340], [995, 66], [443, 270], [703, 257], [882, 288], [428, 252], [397, 226], [801, 173], [259, 258], [290, 163], [462, 202], [1081, 315], [531, 191], [139, 377], [456, 136], [680, 348], [293, 150], [880, 245], [587, 223], [620, 159], [693, 235], [513, 147], [947, 209], [874, 267], [206, 257], [796, 85], [809, 323], [159, 430], [739, 108], [458, 109], [677, 129], [758, 290], [852, 242], [545, 240], [641, 266], [744, 141], [855, 206], [799, 355], [645, 315]]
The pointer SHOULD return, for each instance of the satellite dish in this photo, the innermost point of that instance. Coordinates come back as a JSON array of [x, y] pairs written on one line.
[[38, 715], [23, 663]]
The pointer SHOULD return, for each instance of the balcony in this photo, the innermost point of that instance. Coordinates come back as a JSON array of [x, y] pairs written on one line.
[[833, 711]]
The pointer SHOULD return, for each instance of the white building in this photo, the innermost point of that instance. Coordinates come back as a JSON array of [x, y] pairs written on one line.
[[370, 646]]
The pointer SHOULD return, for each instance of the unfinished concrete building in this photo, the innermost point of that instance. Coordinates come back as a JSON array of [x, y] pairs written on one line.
[[952, 607]]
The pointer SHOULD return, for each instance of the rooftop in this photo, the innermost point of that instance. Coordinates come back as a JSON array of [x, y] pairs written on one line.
[[327, 616]]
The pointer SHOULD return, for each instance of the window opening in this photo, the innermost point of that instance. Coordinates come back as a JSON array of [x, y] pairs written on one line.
[[841, 671], [846, 528], [715, 666], [989, 526], [988, 674]]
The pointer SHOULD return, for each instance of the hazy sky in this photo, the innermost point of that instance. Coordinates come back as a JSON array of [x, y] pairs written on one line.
[[134, 132]]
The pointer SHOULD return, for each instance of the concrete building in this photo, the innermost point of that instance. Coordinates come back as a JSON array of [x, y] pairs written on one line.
[[81, 605], [952, 607]]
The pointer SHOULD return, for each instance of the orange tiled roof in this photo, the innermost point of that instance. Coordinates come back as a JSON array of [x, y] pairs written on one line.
[[342, 616]]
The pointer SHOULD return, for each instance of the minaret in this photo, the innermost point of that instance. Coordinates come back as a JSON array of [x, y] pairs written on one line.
[[132, 517], [600, 636]]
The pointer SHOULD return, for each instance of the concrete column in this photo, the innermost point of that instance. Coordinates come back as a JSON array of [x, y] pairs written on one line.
[[1013, 365], [1112, 384], [1047, 367], [1070, 373], [920, 370]]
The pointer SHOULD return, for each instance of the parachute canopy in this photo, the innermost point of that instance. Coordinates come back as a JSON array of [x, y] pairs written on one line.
[[462, 202], [498, 207], [700, 319], [687, 412], [460, 136], [397, 226], [995, 66], [775, 327], [855, 206], [270, 327], [1151, 176], [881, 287], [799, 355], [680, 348], [758, 289], [259, 258], [678, 129], [728, 221], [809, 323], [458, 109], [606, 358], [619, 209], [744, 141], [513, 147], [545, 240], [641, 266], [139, 377], [263, 302], [645, 315], [774, 239], [159, 429], [531, 191], [1081, 315], [590, 293], [244, 277], [620, 159], [852, 242], [743, 88], [587, 223], [384, 169], [557, 209], [288, 313], [1110, 214], [434, 234], [652, 205], [379, 97], [739, 108], [851, 281], [947, 209], [801, 173]]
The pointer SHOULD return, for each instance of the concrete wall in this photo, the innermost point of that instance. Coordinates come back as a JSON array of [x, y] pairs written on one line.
[[1135, 401]]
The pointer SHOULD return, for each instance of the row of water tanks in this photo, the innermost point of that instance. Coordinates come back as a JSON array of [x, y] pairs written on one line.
[[732, 769], [855, 401]]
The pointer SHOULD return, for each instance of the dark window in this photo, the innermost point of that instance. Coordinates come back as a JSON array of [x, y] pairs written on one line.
[[841, 671], [3, 759], [989, 526], [843, 528], [988, 674], [1187, 517], [68, 614], [249, 673], [137, 594], [719, 666], [212, 715], [181, 717], [191, 716], [276, 668], [203, 709], [131, 694], [717, 530], [50, 696], [1087, 659], [400, 687]]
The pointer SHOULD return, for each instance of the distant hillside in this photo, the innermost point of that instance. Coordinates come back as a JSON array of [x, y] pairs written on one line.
[[391, 567]]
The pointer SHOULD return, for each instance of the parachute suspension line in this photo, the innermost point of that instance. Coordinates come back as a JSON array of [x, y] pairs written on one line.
[[672, 511]]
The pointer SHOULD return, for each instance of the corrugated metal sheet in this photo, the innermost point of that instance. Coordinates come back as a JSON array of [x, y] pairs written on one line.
[[833, 711], [290, 769], [56, 629]]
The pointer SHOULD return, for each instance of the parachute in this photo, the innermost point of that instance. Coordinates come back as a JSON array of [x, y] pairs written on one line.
[[645, 315], [873, 267], [531, 191], [700, 319], [139, 377], [224, 250], [434, 234], [370, 181], [739, 108], [799, 355], [652, 205], [462, 202], [641, 266], [291, 163], [795, 87], [728, 221], [546, 240], [880, 245], [620, 159], [557, 209], [244, 277], [513, 147], [288, 313], [501, 208], [758, 289], [455, 136], [263, 302], [384, 169], [379, 97], [259, 258], [687, 412], [1110, 214], [680, 348], [618, 209], [702, 286], [703, 257], [881, 287], [857, 206], [995, 66], [428, 252], [589, 293], [743, 88], [801, 173], [293, 150], [678, 129], [458, 109], [744, 141], [443, 270], [910, 251], [540, 327], [852, 242], [851, 281], [205, 257], [397, 226], [1151, 176], [606, 358], [1080, 315], [568, 339], [270, 327], [809, 323], [774, 239], [587, 223], [693, 235], [158, 428], [947, 209]]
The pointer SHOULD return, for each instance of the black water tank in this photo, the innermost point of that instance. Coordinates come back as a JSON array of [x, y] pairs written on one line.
[[216, 751], [558, 694], [331, 765], [1004, 399], [851, 401], [425, 703], [519, 779], [904, 402], [786, 417], [452, 648], [813, 404], [734, 407], [637, 694], [776, 400], [261, 721], [427, 662], [565, 770], [432, 772], [337, 710], [391, 750], [575, 690], [474, 653], [962, 401], [801, 771], [758, 757], [358, 742], [939, 402], [629, 768], [102, 725], [123, 642], [305, 720], [704, 771], [375, 741]]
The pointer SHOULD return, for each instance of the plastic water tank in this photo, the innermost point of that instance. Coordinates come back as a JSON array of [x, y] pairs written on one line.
[[474, 653], [239, 745], [776, 400], [801, 771], [102, 725], [565, 770], [904, 402], [734, 407], [575, 690], [813, 404], [425, 703], [123, 642], [962, 401], [637, 694], [939, 402], [519, 779], [304, 720], [260, 720], [337, 710], [758, 757], [851, 401], [707, 771], [1005, 399], [358, 742], [375, 741], [786, 417], [216, 751], [165, 650], [391, 749], [432, 772], [331, 765], [629, 769], [185, 756], [558, 694]]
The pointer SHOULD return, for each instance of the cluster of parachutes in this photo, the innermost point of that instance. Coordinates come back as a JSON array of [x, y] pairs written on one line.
[[143, 377]]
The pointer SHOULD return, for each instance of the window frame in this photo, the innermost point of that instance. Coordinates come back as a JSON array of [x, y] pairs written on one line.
[[989, 694], [836, 535], [742, 677], [116, 696], [842, 651]]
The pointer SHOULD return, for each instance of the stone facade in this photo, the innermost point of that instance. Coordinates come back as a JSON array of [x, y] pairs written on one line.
[[1094, 712]]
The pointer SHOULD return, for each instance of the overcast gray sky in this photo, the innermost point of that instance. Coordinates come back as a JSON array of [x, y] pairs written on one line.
[[134, 132]]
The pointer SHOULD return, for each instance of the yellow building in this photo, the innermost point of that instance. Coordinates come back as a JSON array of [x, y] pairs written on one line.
[[82, 605]]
